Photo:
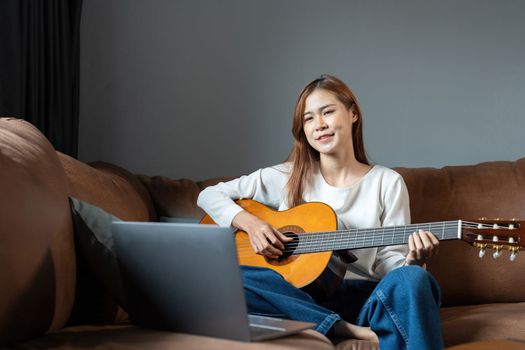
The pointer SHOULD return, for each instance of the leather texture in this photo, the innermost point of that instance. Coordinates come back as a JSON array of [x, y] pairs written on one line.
[[177, 198], [37, 257], [109, 187], [468, 323]]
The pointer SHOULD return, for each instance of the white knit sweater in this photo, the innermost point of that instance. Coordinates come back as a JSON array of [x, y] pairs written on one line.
[[379, 198]]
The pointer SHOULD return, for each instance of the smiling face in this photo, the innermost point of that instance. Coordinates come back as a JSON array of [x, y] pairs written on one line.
[[327, 123]]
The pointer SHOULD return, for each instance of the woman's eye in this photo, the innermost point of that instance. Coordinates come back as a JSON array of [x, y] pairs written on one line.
[[328, 112], [307, 119]]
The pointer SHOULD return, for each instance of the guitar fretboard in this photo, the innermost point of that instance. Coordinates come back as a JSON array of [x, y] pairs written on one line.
[[375, 237]]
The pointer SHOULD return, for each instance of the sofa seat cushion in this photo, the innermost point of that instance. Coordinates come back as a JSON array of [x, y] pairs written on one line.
[[504, 344], [462, 324], [130, 337]]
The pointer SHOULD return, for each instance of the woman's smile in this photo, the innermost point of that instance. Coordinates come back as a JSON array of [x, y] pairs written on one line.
[[325, 137]]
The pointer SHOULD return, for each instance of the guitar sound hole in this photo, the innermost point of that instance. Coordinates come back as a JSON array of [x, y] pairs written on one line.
[[288, 250]]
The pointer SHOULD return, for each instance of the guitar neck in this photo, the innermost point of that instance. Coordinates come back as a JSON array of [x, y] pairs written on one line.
[[375, 237]]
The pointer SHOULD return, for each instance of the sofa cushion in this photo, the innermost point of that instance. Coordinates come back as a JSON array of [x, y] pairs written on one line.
[[462, 324], [176, 198], [124, 176], [491, 190], [129, 337], [504, 344], [109, 187], [37, 257], [97, 261]]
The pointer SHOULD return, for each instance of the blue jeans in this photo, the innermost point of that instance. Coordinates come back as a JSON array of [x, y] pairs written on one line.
[[402, 309]]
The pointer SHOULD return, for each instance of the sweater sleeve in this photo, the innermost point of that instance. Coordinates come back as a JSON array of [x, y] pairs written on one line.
[[264, 185], [396, 213]]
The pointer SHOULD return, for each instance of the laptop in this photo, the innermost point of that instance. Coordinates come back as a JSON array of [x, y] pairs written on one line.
[[186, 278]]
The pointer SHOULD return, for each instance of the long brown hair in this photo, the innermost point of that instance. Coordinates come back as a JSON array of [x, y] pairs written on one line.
[[303, 156]]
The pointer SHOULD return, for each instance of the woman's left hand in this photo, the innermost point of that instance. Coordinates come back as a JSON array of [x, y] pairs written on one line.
[[422, 245]]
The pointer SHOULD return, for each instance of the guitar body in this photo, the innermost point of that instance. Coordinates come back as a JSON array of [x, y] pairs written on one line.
[[303, 269], [309, 263]]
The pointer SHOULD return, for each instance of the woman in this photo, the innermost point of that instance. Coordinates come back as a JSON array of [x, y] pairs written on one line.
[[387, 297]]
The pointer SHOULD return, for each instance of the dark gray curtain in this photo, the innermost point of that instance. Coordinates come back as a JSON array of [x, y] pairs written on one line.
[[39, 66]]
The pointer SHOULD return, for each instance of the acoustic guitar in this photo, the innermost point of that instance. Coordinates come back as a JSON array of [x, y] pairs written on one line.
[[316, 258]]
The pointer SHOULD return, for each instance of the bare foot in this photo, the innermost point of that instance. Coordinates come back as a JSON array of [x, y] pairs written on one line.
[[345, 330]]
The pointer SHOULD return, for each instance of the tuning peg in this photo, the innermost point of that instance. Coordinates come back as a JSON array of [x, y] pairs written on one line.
[[497, 253], [481, 252], [513, 256]]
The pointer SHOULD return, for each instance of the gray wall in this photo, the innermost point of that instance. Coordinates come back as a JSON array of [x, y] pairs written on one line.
[[201, 88]]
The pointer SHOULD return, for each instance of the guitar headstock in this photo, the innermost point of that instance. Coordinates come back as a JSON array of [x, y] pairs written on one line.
[[498, 235]]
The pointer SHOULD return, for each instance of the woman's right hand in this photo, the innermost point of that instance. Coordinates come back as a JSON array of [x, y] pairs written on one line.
[[264, 239]]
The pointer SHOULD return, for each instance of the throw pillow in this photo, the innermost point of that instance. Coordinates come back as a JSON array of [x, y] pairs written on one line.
[[95, 247]]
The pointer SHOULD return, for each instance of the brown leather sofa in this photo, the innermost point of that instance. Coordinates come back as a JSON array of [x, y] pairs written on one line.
[[48, 301]]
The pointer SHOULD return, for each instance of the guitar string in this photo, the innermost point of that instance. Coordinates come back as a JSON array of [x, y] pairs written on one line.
[[322, 242], [380, 234], [360, 238], [372, 237], [387, 230], [327, 239]]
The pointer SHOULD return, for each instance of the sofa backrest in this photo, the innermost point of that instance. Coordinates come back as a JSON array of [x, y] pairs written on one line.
[[109, 187], [177, 198], [37, 260], [491, 190]]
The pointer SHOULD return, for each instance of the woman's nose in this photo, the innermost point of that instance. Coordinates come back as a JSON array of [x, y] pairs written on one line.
[[320, 123]]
